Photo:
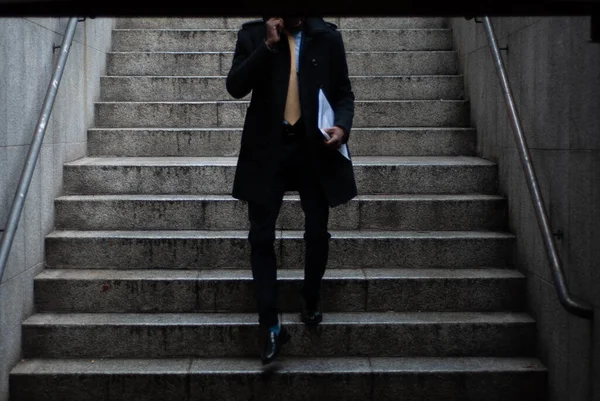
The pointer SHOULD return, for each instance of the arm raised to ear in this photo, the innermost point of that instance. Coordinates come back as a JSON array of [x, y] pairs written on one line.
[[250, 62]]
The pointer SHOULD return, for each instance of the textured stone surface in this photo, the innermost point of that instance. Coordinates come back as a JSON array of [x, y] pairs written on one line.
[[295, 379], [165, 63], [403, 62], [148, 142], [388, 175], [469, 379], [390, 22], [162, 114], [15, 159], [444, 290], [232, 335], [418, 87], [431, 212], [150, 89], [396, 39], [49, 189], [417, 113], [406, 244], [227, 249], [396, 378], [408, 249], [98, 379], [556, 88], [4, 198], [235, 23], [16, 305], [183, 22], [584, 217], [218, 63], [202, 212], [356, 290], [182, 212], [185, 291], [172, 88], [26, 66], [173, 40], [207, 114], [185, 40]]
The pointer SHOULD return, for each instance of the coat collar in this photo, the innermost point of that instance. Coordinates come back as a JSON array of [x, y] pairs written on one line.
[[315, 25]]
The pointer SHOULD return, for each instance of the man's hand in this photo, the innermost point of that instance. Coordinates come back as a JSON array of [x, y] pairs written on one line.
[[337, 137], [274, 29]]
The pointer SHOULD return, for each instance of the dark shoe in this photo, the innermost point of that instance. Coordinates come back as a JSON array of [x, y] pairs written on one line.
[[311, 315], [273, 344]]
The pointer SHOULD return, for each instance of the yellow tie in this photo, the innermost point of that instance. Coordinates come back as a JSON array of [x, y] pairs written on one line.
[[292, 104]]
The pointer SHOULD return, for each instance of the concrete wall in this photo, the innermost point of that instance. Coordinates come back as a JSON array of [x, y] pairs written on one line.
[[26, 63], [555, 75]]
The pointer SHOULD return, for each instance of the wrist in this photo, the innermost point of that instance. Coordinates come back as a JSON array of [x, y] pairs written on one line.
[[345, 133], [270, 46], [344, 130]]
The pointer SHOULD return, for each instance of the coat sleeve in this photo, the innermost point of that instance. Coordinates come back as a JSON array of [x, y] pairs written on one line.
[[341, 90], [248, 65]]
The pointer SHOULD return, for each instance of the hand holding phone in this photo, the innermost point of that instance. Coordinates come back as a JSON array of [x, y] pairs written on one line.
[[274, 29]]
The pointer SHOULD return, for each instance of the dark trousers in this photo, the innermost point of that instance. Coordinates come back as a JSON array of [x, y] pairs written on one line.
[[294, 173]]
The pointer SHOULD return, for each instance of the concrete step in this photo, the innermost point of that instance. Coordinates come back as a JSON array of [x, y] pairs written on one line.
[[181, 142], [183, 22], [230, 249], [173, 335], [177, 88], [292, 379], [218, 63], [211, 40], [214, 175], [389, 22], [343, 290], [222, 212], [236, 23], [231, 114]]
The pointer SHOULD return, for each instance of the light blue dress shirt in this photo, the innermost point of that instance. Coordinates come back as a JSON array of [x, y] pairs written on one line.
[[298, 37]]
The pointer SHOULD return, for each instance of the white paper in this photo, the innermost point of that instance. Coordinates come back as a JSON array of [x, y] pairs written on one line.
[[326, 119]]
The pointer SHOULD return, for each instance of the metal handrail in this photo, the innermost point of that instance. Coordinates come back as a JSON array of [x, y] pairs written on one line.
[[16, 209], [576, 307]]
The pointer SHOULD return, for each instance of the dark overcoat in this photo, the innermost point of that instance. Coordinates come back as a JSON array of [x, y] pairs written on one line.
[[265, 73]]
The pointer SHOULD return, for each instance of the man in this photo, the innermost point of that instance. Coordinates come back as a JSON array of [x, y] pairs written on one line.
[[284, 62]]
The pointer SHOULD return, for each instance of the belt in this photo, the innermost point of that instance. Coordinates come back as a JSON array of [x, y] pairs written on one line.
[[293, 131]]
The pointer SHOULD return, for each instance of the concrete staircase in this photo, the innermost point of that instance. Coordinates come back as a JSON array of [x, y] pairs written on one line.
[[148, 293]]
